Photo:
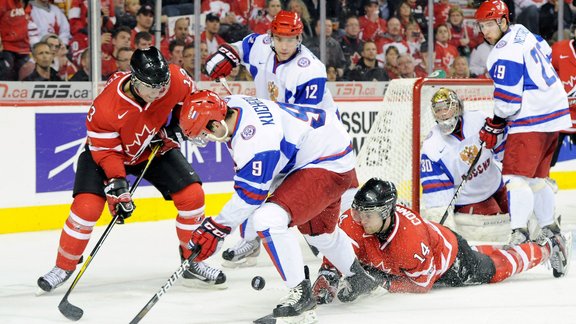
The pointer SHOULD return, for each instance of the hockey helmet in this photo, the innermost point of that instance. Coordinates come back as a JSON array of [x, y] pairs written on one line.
[[375, 196], [150, 73], [447, 109], [198, 111], [492, 10], [286, 23]]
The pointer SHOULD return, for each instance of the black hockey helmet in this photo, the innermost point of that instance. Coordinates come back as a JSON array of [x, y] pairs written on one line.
[[376, 195], [150, 67]]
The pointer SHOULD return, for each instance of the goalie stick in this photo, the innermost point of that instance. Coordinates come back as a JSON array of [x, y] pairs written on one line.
[[175, 276], [70, 311], [459, 189]]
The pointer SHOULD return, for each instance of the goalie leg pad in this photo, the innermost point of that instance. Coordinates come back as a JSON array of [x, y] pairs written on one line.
[[482, 228]]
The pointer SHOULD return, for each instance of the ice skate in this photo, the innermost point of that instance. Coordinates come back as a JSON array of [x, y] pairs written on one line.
[[356, 285], [298, 307], [201, 275], [518, 236], [560, 248], [52, 280], [243, 254]]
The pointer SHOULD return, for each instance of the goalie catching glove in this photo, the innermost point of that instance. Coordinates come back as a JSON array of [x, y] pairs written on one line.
[[221, 63], [209, 237], [119, 199], [326, 285], [492, 128]]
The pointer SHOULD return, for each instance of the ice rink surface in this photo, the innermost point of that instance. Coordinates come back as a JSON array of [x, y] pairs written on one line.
[[137, 259]]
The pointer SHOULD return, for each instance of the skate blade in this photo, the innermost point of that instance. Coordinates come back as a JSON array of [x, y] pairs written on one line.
[[199, 284], [244, 263], [308, 317]]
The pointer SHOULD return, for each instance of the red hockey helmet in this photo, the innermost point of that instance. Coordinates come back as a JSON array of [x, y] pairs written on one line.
[[492, 9], [287, 23], [198, 110]]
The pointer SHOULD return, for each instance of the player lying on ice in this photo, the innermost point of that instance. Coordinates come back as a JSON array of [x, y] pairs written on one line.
[[406, 253], [303, 158]]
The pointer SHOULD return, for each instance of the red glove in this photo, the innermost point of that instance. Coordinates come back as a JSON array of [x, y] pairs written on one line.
[[326, 285], [118, 197], [492, 128], [221, 63], [170, 137], [209, 236]]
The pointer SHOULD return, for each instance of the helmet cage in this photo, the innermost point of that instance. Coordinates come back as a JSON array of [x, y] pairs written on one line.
[[446, 109]]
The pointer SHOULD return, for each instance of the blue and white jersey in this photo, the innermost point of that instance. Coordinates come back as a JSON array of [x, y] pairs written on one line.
[[272, 140], [528, 92], [300, 80], [445, 159]]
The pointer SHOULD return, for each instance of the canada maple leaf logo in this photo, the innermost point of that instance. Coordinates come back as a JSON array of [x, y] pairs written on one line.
[[141, 141]]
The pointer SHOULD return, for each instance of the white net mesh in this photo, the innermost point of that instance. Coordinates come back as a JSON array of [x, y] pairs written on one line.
[[387, 150]]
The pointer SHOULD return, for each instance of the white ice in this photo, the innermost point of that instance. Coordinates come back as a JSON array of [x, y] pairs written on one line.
[[137, 259]]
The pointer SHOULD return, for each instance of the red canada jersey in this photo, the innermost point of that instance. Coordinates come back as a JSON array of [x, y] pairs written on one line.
[[119, 129], [417, 251], [564, 62], [14, 26]]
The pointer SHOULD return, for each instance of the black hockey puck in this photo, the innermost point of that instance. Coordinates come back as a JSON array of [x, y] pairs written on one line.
[[258, 283]]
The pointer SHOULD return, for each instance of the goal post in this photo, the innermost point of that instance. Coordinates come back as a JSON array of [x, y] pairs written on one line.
[[391, 149]]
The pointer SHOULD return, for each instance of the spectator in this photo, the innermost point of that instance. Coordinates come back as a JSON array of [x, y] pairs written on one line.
[[478, 60], [332, 74], [407, 68], [343, 9], [300, 8], [549, 18], [414, 39], [351, 43], [459, 69], [143, 40], [43, 57], [442, 11], [14, 39], [54, 44], [78, 16], [528, 14], [84, 73], [66, 69], [203, 56], [334, 55], [462, 36], [391, 62], [123, 59], [182, 31], [128, 18], [144, 21], [386, 9], [239, 73], [49, 19], [173, 8], [371, 25], [392, 37], [261, 23], [419, 12], [188, 60], [337, 32], [210, 34], [176, 48], [232, 11], [404, 13], [445, 52], [367, 68], [120, 38]]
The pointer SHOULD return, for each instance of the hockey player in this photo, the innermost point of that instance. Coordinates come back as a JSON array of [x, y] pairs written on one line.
[[303, 157], [447, 154], [131, 111], [284, 70], [530, 102], [407, 253]]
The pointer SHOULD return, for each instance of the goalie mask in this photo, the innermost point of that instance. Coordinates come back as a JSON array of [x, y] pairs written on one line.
[[150, 74], [447, 110], [376, 198], [198, 112]]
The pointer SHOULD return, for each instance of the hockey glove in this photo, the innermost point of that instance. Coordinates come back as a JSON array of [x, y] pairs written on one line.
[[382, 278], [209, 236], [221, 63], [492, 128], [326, 285], [169, 137], [119, 199]]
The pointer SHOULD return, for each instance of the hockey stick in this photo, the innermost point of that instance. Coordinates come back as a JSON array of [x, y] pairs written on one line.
[[225, 84], [459, 189], [70, 311], [175, 276]]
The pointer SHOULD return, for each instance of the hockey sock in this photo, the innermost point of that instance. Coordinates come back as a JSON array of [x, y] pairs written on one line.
[[190, 205], [84, 212], [337, 248], [515, 259], [544, 201], [520, 200]]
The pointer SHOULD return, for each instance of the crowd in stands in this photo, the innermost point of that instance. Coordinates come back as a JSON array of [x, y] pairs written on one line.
[[367, 40]]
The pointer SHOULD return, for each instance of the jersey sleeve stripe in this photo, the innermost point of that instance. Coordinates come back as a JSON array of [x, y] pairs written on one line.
[[334, 156], [534, 120], [437, 185], [247, 44], [249, 194], [507, 96], [103, 135], [97, 148]]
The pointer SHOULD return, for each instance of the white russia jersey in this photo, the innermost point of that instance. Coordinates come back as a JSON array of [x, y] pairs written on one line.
[[271, 141], [528, 93], [446, 159], [300, 80]]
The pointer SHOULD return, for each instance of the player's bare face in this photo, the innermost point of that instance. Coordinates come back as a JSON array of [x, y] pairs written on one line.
[[371, 220], [285, 46], [491, 30], [150, 93]]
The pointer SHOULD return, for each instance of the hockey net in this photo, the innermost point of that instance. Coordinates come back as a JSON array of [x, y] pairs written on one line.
[[391, 150]]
